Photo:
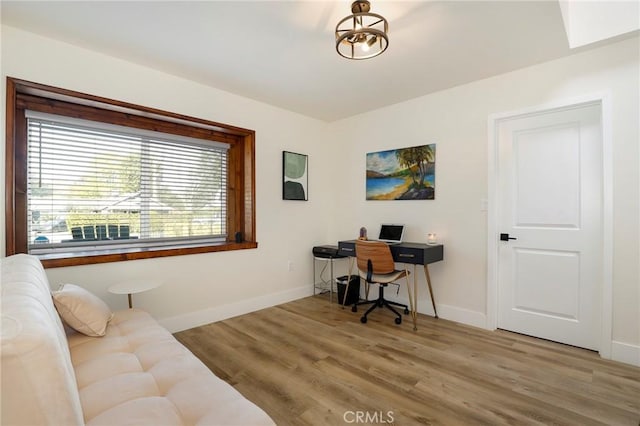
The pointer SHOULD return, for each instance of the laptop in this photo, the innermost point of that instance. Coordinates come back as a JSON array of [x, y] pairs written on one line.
[[391, 233]]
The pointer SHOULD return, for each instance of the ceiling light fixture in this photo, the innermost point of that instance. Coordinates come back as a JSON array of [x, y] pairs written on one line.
[[362, 35]]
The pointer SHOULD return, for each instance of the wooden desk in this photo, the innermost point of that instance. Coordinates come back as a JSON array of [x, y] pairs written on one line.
[[408, 253]]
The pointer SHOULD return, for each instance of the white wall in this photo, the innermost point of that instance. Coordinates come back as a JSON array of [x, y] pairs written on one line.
[[456, 120], [587, 22], [205, 287]]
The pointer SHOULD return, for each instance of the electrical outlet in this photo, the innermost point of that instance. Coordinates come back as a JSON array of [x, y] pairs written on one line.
[[290, 266]]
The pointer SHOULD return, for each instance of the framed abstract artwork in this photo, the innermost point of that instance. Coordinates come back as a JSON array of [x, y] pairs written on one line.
[[402, 174], [295, 176]]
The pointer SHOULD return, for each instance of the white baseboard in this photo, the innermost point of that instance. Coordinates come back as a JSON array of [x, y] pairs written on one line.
[[463, 316], [219, 313], [625, 352], [452, 313]]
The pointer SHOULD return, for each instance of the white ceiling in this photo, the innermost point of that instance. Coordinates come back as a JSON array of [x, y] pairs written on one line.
[[283, 52]]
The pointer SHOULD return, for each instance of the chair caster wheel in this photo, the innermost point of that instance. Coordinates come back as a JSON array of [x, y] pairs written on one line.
[[363, 320], [406, 311], [398, 320], [354, 309]]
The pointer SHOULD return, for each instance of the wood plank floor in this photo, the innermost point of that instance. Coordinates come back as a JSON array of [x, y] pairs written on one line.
[[309, 362]]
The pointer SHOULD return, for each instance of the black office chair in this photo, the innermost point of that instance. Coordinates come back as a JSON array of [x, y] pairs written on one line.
[[376, 266]]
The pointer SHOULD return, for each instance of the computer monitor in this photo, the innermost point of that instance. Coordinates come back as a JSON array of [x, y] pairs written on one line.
[[391, 233]]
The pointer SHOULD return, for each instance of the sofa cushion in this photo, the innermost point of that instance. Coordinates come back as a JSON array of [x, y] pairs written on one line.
[[82, 310], [38, 380], [138, 374]]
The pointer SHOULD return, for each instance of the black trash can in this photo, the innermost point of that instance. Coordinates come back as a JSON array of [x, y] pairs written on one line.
[[354, 289]]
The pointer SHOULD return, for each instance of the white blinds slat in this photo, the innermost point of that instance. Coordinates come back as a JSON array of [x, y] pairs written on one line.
[[117, 182]]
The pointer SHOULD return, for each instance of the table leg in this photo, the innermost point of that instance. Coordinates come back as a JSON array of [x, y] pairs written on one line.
[[413, 301], [331, 282], [346, 288], [130, 300], [433, 301], [314, 275], [415, 296]]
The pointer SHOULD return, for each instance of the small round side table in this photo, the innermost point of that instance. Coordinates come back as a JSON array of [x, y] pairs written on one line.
[[132, 287]]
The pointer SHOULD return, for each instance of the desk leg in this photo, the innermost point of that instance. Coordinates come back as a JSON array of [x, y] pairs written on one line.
[[331, 282], [130, 301], [346, 288], [314, 275], [413, 298], [433, 301]]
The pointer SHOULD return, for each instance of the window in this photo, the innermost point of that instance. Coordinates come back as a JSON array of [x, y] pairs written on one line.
[[93, 180], [91, 184]]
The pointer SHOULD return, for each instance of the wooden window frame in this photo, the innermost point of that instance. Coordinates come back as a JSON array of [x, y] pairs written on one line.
[[22, 95]]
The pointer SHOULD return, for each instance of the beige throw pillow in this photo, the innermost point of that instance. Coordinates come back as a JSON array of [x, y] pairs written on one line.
[[82, 310]]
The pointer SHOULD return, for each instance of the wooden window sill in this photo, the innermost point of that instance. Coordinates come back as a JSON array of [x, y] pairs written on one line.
[[88, 257]]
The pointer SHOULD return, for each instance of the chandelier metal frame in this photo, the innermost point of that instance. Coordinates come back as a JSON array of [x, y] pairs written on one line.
[[362, 35]]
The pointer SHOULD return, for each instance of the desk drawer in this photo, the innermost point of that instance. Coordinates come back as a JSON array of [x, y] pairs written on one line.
[[408, 255], [347, 248], [414, 253]]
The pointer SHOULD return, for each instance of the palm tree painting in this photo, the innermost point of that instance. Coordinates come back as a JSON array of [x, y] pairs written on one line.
[[402, 174]]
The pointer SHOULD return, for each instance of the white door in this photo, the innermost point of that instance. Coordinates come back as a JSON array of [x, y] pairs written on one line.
[[550, 202]]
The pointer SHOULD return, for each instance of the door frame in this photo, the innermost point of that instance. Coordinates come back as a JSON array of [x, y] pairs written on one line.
[[602, 99]]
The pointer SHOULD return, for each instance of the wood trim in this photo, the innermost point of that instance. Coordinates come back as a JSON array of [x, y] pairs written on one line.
[[134, 254], [79, 98], [9, 176], [232, 193], [249, 188], [23, 95], [20, 182], [67, 109]]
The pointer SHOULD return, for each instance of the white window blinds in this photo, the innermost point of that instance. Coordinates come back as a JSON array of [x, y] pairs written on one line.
[[94, 184]]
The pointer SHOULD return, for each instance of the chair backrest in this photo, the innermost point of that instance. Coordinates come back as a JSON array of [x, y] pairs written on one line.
[[378, 253]]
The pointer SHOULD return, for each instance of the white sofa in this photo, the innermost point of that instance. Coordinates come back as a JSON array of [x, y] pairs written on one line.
[[136, 374]]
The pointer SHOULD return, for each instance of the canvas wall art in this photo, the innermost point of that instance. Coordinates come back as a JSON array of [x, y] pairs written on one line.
[[402, 174], [295, 176]]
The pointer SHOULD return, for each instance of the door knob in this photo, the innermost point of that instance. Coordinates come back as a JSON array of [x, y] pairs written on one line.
[[506, 237]]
